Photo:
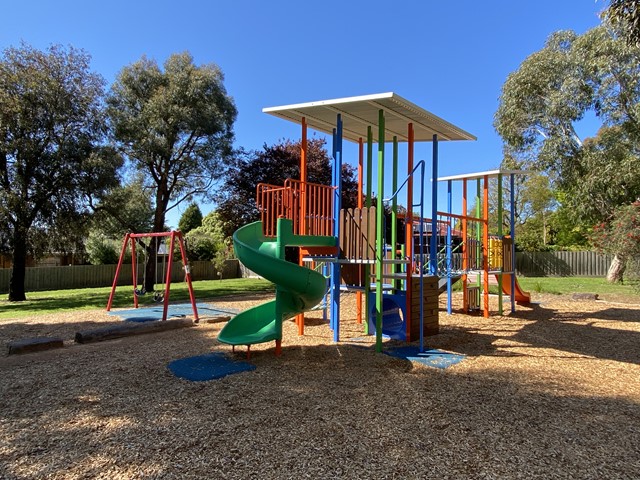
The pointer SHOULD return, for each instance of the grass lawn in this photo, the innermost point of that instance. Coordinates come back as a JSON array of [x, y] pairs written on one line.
[[53, 301], [91, 298], [569, 285]]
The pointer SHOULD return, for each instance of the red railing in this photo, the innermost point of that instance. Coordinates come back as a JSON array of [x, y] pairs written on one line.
[[286, 201]]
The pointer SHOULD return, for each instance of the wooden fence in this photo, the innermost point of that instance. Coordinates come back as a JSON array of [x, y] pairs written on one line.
[[528, 264], [89, 276], [562, 264]]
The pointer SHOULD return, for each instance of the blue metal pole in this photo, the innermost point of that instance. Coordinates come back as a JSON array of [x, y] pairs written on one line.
[[512, 221], [449, 256], [325, 300], [380, 248], [433, 252], [335, 266]]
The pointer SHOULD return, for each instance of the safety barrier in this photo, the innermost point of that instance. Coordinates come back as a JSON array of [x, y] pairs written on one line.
[[285, 201]]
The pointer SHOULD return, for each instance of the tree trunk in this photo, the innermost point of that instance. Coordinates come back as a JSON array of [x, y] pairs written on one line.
[[152, 264], [162, 200], [616, 269], [18, 270], [150, 267]]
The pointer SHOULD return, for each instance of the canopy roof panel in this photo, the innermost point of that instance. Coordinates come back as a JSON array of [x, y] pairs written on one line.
[[360, 112], [479, 175]]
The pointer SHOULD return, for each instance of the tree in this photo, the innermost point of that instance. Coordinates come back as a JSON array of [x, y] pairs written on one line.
[[51, 161], [191, 218], [553, 89], [624, 15], [208, 242], [101, 249], [273, 165], [620, 234], [175, 127], [125, 209]]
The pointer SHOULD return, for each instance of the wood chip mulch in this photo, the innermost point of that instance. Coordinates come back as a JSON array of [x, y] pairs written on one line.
[[552, 391]]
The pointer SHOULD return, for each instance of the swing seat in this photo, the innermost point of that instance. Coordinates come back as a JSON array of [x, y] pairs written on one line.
[[158, 297], [139, 292]]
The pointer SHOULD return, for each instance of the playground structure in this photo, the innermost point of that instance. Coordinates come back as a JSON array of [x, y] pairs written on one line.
[[130, 239], [479, 253], [346, 249]]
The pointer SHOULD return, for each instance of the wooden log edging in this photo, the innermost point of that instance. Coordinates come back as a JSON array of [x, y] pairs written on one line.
[[35, 344], [127, 329]]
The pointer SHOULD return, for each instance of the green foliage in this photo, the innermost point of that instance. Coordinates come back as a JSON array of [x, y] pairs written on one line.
[[621, 234], [624, 15], [51, 124], [101, 250], [208, 242], [175, 126], [565, 232], [273, 165], [191, 218], [595, 73], [126, 208]]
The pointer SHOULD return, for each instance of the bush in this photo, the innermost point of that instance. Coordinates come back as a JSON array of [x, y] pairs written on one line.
[[101, 250]]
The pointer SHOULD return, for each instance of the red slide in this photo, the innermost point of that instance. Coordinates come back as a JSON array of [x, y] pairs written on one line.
[[521, 296]]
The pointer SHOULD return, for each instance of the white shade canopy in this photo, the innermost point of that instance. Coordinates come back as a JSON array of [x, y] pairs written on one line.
[[360, 112]]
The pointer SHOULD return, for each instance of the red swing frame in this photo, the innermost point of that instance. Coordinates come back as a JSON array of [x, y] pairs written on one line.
[[174, 235]]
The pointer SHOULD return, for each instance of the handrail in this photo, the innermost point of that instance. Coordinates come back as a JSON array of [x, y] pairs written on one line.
[[275, 201]]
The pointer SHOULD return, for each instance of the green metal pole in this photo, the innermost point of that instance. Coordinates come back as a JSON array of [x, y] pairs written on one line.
[[403, 253], [379, 231], [500, 213], [367, 203], [394, 211]]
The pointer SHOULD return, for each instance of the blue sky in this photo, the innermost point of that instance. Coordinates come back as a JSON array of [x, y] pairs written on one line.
[[451, 58]]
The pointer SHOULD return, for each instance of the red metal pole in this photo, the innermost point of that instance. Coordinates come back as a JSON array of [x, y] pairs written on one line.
[[187, 276], [115, 278], [167, 283], [303, 206], [409, 231]]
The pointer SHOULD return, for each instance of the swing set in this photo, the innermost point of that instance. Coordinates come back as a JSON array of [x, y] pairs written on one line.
[[156, 241]]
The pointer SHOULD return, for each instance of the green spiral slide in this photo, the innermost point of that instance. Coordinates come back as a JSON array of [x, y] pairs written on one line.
[[297, 288]]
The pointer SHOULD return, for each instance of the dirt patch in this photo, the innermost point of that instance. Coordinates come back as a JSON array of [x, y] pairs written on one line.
[[551, 391]]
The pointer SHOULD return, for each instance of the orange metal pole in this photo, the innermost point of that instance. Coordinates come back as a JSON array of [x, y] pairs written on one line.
[[303, 206], [485, 244], [409, 231]]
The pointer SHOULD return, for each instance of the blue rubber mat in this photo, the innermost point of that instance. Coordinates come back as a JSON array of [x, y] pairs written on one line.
[[210, 366], [430, 357], [149, 314]]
